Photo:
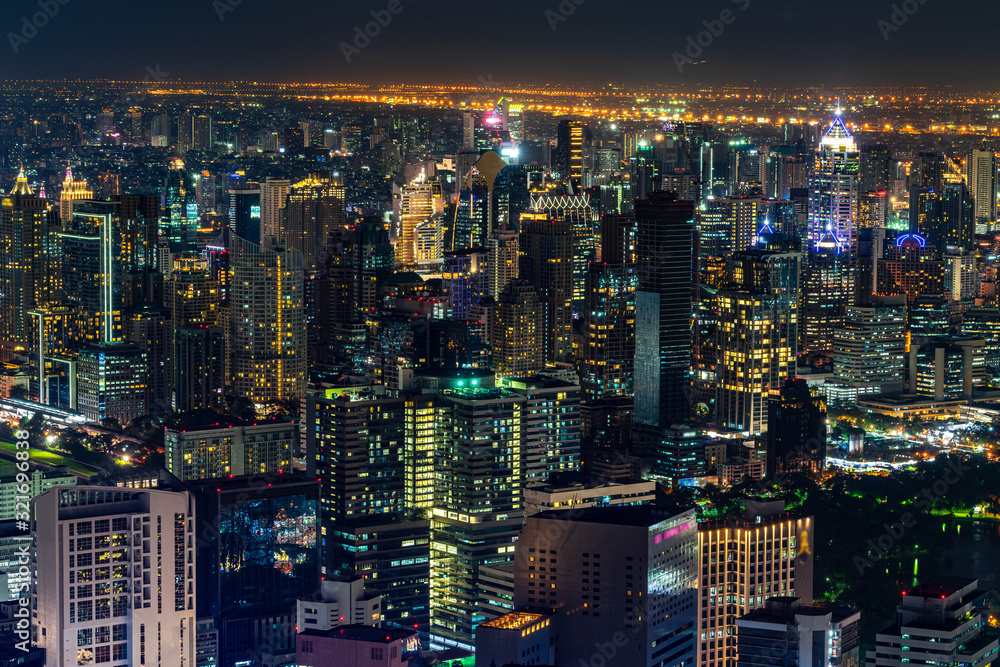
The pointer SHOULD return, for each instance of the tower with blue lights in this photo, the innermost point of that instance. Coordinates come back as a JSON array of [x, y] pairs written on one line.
[[833, 192]]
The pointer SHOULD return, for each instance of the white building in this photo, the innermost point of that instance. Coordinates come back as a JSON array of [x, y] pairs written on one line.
[[339, 603], [114, 576], [596, 493]]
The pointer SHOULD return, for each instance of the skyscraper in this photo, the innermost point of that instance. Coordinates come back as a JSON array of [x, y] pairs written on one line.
[[569, 152], [71, 191], [414, 204], [314, 208], [268, 322], [664, 244], [981, 176], [868, 347], [516, 333], [29, 262], [757, 336], [503, 262], [95, 602], [273, 193], [574, 212], [244, 211], [834, 189], [179, 209], [91, 269], [546, 247]]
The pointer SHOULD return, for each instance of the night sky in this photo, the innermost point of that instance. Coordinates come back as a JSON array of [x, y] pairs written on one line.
[[795, 42]]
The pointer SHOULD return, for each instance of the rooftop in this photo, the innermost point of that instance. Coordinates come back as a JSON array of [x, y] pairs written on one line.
[[515, 620], [363, 633], [629, 515], [940, 587]]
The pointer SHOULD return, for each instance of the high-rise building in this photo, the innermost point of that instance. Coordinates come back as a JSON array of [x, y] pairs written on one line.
[[91, 269], [827, 288], [608, 355], [546, 247], [612, 572], [875, 171], [273, 194], [148, 327], [779, 547], [314, 208], [946, 368], [192, 297], [756, 336], [268, 322], [984, 323], [575, 213], [465, 280], [216, 447], [258, 554], [29, 262], [665, 264], [796, 432], [179, 209], [199, 367], [981, 176], [869, 347], [943, 620], [568, 158], [912, 267], [414, 204], [114, 578], [834, 189], [202, 136], [71, 191], [786, 631], [111, 382], [503, 260], [245, 211], [516, 334]]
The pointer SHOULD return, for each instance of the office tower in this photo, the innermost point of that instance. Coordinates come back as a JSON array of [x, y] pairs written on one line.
[[202, 136], [779, 545], [827, 288], [568, 157], [608, 355], [54, 337], [140, 237], [730, 224], [111, 382], [465, 280], [199, 366], [258, 554], [875, 172], [796, 433], [478, 512], [942, 620], [946, 368], [268, 322], [516, 334], [312, 133], [213, 446], [613, 571], [644, 169], [192, 296], [546, 246], [159, 130], [414, 203], [873, 209], [574, 212], [834, 189], [664, 245], [38, 482], [357, 441], [911, 266], [787, 631], [926, 215], [756, 336], [29, 262], [273, 193], [503, 260], [868, 348], [179, 210], [981, 176], [244, 211], [958, 222], [313, 209], [984, 323], [91, 269], [149, 328], [929, 315], [550, 427], [71, 191], [146, 603]]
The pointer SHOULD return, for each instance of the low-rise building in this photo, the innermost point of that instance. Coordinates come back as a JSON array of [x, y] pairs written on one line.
[[357, 646]]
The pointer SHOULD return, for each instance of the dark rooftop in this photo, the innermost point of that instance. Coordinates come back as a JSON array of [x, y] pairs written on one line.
[[629, 515], [940, 587], [362, 633]]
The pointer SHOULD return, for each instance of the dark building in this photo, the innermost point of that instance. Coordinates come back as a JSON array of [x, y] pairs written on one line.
[[568, 156], [258, 552], [244, 212], [876, 168], [199, 367], [787, 632], [665, 242], [796, 433]]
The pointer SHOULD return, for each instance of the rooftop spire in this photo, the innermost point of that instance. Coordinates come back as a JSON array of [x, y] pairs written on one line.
[[22, 187]]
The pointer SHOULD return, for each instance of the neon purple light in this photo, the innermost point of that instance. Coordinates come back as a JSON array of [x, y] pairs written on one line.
[[667, 534]]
